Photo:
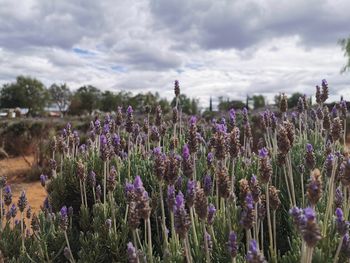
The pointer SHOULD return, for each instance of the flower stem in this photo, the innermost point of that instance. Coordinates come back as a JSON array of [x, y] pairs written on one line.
[[70, 251]]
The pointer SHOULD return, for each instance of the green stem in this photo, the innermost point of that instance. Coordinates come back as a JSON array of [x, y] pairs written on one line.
[[67, 242], [207, 254], [165, 236], [336, 257], [149, 240]]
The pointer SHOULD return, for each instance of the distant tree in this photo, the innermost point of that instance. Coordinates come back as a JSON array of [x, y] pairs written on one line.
[[60, 95], [109, 101], [293, 99], [211, 104], [345, 44], [25, 92], [259, 101], [85, 99], [188, 106], [226, 105]]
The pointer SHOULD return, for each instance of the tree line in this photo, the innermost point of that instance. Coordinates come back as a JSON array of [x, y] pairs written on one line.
[[32, 94]]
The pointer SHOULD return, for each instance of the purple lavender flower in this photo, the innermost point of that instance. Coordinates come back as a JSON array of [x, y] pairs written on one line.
[[263, 153], [22, 201], [179, 201], [171, 197], [232, 114], [338, 198], [211, 214], [309, 147], [193, 120], [92, 179], [207, 184], [342, 226], [232, 244], [13, 211], [253, 255], [190, 192], [7, 195], [324, 82], [64, 217], [210, 159], [132, 253], [186, 152]]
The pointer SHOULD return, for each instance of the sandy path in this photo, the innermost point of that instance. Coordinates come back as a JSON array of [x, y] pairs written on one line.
[[13, 169]]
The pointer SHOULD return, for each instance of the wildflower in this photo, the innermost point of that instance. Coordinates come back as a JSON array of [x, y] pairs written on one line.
[[159, 112], [182, 221], [318, 94], [129, 124], [328, 165], [310, 156], [253, 255], [111, 182], [343, 108], [192, 136], [187, 164], [310, 230], [342, 226], [232, 114], [248, 213], [274, 198], [119, 116], [190, 192], [336, 129], [324, 94], [326, 118], [265, 168], [155, 136], [3, 181], [223, 181], [159, 163], [235, 145], [232, 244], [261, 209], [35, 223], [338, 198], [211, 214], [177, 88], [132, 253], [7, 195], [301, 105], [201, 203], [314, 188], [171, 197], [346, 245], [344, 172], [92, 179], [22, 201], [64, 218], [283, 142], [13, 211], [210, 159], [255, 188], [172, 168], [207, 185]]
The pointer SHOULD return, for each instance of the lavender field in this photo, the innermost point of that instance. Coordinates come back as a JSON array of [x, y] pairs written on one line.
[[180, 189]]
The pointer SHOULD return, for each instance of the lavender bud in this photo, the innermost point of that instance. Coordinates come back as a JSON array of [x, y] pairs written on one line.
[[64, 218], [132, 253], [207, 184], [211, 214], [22, 201], [7, 195], [253, 255], [232, 244]]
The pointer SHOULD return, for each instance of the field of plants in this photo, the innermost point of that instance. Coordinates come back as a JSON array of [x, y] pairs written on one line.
[[180, 189]]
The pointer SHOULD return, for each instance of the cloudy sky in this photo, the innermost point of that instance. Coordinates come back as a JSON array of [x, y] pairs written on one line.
[[214, 48]]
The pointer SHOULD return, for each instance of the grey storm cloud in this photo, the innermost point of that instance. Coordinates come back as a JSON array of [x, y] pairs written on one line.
[[224, 47]]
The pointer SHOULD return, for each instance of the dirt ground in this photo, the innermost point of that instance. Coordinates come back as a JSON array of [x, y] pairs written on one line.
[[13, 169]]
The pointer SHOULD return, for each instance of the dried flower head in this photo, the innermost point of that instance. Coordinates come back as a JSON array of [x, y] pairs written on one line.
[[314, 187], [254, 255]]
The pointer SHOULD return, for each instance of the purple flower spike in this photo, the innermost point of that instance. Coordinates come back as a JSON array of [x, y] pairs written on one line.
[[309, 147], [324, 82], [157, 151], [211, 214], [193, 120], [186, 152], [232, 113], [64, 212], [309, 214], [138, 182], [179, 202], [132, 253], [263, 152], [103, 140], [210, 158], [129, 110], [339, 214]]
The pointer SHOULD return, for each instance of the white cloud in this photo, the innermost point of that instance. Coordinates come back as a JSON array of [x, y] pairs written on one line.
[[221, 48]]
